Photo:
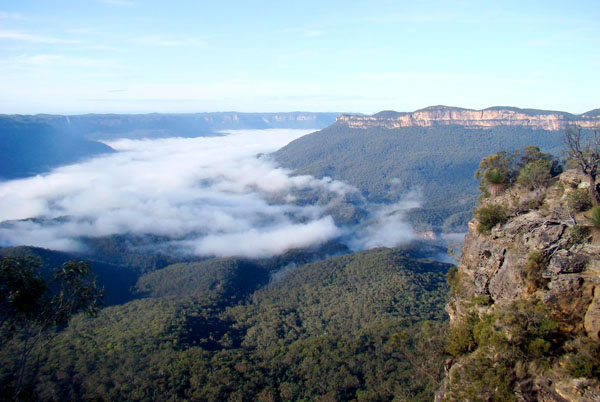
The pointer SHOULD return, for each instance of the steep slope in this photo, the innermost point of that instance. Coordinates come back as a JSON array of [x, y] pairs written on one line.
[[487, 118], [386, 161], [29, 148], [117, 281], [349, 327], [525, 311]]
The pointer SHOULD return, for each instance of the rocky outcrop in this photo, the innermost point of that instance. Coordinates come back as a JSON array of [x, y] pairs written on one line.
[[539, 257], [486, 118]]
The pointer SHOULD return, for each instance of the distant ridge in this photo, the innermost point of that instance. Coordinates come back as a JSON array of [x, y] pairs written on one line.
[[495, 116], [34, 144], [432, 151]]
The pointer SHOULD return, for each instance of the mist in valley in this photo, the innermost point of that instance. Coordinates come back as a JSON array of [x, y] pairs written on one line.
[[207, 196]]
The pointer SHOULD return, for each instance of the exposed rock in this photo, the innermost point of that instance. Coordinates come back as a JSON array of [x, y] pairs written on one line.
[[564, 262], [532, 258], [592, 316], [486, 118]]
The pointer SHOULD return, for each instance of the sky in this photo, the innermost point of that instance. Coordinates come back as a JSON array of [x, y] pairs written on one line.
[[206, 196], [139, 56]]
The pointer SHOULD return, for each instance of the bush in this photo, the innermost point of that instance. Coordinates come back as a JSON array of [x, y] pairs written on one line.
[[494, 176], [578, 235], [579, 200], [583, 359], [460, 339], [452, 279], [490, 216], [535, 175], [532, 272], [595, 216]]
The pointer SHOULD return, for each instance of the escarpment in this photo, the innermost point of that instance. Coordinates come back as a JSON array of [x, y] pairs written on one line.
[[525, 307], [486, 118]]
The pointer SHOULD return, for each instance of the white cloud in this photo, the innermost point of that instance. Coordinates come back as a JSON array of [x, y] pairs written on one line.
[[387, 226], [10, 16], [209, 196], [27, 37], [43, 60], [169, 41]]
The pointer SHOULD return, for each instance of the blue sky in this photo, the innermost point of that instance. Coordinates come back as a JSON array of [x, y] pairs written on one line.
[[259, 56]]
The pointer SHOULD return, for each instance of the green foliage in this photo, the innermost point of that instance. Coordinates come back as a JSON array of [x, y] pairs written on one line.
[[578, 234], [595, 216], [226, 280], [385, 164], [483, 300], [494, 176], [579, 200], [512, 336], [460, 339], [583, 358], [351, 327], [32, 308], [532, 272], [531, 169], [26, 298], [535, 175], [490, 215], [21, 290], [498, 168], [486, 376], [452, 279]]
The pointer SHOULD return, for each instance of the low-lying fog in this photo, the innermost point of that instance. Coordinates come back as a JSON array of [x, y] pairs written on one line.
[[210, 196]]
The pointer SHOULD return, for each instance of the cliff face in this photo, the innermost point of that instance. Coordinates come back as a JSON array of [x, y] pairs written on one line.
[[526, 301], [486, 118]]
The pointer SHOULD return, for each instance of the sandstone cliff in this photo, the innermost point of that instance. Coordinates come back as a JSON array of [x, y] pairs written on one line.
[[486, 118], [525, 311]]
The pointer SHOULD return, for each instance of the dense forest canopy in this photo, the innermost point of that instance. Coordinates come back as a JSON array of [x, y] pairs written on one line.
[[438, 162]]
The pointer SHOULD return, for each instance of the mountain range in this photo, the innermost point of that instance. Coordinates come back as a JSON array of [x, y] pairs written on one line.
[[33, 144], [433, 152], [323, 323]]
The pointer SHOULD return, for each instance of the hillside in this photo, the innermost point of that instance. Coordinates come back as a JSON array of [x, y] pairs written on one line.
[[348, 327], [385, 162], [33, 144], [31, 147], [117, 280], [525, 307]]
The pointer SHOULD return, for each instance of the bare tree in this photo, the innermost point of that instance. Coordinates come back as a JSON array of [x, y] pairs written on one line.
[[584, 151]]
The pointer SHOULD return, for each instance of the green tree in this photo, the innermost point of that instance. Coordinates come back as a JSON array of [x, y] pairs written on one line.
[[536, 175], [31, 308], [497, 171]]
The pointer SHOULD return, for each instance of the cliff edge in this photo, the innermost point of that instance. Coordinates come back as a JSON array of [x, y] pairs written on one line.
[[525, 306], [486, 118]]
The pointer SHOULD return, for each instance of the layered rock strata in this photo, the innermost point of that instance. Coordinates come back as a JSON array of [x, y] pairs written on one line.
[[493, 275], [486, 118]]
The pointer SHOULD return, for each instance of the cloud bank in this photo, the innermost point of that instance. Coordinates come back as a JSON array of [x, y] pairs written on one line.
[[210, 196]]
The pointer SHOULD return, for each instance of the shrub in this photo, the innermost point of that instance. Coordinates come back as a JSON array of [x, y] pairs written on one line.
[[490, 216], [460, 339], [494, 176], [535, 175], [583, 359], [595, 216], [579, 200], [483, 300], [578, 235], [536, 263], [452, 278]]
